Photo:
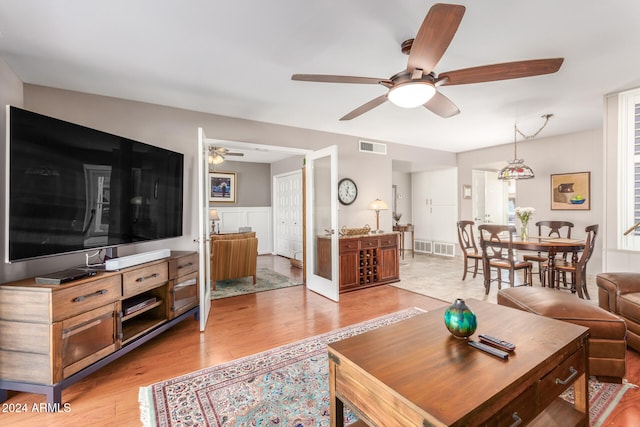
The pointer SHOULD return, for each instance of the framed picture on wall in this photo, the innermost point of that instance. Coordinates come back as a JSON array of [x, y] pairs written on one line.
[[571, 191], [222, 187]]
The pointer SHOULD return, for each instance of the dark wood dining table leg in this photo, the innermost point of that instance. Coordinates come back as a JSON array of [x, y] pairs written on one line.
[[552, 267]]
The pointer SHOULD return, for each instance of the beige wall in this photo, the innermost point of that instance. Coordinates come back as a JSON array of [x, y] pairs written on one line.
[[176, 129], [11, 93], [578, 152], [253, 182]]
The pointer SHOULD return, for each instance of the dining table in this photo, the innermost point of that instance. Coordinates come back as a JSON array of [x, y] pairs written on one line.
[[550, 245]]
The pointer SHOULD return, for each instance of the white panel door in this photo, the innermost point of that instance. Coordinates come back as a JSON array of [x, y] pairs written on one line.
[[288, 214]]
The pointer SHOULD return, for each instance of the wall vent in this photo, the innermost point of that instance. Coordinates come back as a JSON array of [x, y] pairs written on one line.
[[423, 246], [373, 147], [436, 248], [446, 249]]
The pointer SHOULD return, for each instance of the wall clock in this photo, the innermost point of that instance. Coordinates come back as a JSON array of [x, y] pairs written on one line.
[[347, 191]]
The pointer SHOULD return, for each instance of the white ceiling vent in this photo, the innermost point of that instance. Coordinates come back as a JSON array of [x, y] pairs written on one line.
[[373, 147]]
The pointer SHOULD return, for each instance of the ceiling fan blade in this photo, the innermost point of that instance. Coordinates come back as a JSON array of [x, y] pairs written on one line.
[[433, 37], [233, 154], [365, 107], [504, 71], [442, 106], [327, 78]]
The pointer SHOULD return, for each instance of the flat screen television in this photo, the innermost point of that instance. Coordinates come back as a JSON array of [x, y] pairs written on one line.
[[72, 188]]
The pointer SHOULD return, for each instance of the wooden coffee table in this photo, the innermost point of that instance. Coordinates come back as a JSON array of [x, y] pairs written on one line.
[[415, 373]]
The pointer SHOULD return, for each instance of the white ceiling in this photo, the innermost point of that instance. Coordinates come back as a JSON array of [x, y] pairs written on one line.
[[236, 58]]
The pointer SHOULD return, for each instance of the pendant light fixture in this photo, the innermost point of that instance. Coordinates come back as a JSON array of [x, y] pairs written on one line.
[[517, 169]]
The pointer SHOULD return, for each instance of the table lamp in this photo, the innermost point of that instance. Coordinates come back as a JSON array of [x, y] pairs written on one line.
[[378, 205], [213, 217]]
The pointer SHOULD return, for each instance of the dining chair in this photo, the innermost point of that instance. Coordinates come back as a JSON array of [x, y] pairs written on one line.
[[496, 242], [468, 246], [577, 269], [549, 229]]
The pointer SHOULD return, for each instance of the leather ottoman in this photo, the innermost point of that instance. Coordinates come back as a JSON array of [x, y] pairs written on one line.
[[607, 339]]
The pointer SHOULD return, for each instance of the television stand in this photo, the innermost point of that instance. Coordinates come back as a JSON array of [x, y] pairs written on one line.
[[56, 335]]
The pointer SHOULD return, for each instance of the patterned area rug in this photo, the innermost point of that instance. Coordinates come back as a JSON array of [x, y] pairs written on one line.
[[287, 386], [266, 280], [603, 397]]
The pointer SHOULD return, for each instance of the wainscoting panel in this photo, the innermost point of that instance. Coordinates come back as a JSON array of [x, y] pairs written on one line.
[[258, 218]]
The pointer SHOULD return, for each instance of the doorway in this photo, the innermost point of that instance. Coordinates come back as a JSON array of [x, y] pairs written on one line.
[[493, 199]]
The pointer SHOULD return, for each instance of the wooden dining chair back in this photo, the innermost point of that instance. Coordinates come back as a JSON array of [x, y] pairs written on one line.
[[560, 229], [578, 269], [470, 251], [496, 242]]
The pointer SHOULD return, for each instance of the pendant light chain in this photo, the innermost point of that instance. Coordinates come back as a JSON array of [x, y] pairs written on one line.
[[516, 169], [546, 118]]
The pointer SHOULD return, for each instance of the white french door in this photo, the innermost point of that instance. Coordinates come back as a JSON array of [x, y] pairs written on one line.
[[322, 221], [203, 230]]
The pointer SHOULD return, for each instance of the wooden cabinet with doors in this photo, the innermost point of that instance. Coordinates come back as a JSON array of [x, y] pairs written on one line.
[[52, 336], [364, 261]]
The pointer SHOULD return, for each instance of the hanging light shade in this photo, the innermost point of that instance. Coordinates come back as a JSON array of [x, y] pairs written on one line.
[[516, 169]]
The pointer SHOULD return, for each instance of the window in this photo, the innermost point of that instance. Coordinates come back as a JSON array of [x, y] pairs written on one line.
[[629, 162]]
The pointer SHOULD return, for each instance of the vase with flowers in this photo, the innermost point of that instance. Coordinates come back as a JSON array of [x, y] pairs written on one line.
[[524, 215], [396, 217]]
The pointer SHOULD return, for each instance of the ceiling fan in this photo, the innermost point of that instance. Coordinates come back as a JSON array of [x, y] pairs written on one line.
[[218, 154], [417, 84]]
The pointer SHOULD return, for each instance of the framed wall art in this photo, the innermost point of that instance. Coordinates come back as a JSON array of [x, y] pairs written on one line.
[[222, 187], [466, 191], [571, 191]]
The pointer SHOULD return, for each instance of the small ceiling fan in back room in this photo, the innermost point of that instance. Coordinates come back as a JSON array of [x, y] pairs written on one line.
[[418, 84], [218, 154]]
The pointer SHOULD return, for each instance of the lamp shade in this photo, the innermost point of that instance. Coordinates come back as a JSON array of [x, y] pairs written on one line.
[[213, 215], [378, 205], [516, 169], [411, 94]]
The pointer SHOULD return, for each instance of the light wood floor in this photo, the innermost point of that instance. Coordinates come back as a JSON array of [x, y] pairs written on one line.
[[237, 327]]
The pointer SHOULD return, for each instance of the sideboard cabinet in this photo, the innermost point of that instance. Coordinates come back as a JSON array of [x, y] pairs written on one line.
[[51, 336], [364, 261]]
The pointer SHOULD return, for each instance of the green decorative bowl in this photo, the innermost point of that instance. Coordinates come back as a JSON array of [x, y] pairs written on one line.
[[577, 202], [460, 320]]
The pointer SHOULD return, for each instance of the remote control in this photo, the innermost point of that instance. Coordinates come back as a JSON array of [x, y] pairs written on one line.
[[491, 350], [502, 345]]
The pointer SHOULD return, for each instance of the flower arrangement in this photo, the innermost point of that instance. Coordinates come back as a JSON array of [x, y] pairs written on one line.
[[524, 215], [396, 217]]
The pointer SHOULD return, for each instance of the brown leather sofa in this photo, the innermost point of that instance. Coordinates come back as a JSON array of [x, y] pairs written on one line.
[[619, 293], [607, 332], [233, 256]]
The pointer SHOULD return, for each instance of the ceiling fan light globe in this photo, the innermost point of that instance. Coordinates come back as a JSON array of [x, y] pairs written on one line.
[[215, 159], [411, 94]]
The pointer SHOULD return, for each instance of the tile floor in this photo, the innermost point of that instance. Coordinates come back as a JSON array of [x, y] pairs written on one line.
[[441, 277]]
